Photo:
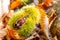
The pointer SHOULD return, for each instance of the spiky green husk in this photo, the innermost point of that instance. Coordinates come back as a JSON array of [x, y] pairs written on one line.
[[24, 2], [28, 27]]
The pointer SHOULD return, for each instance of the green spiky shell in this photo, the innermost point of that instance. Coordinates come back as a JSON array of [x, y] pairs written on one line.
[[28, 27], [24, 2]]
